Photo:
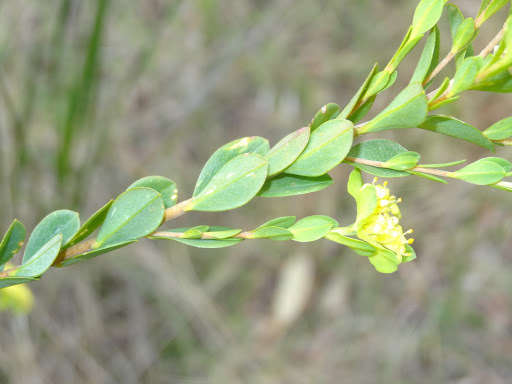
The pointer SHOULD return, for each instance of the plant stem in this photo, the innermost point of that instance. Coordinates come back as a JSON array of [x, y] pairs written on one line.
[[381, 164], [443, 63]]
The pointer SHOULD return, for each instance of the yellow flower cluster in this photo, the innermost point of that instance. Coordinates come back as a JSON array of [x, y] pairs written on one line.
[[383, 225]]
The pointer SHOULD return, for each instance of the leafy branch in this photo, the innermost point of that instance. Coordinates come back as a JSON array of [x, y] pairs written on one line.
[[299, 163]]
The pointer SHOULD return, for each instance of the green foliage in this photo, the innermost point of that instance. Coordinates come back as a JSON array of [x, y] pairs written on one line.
[[237, 182], [327, 147], [312, 228], [298, 164], [450, 126], [63, 222], [166, 187], [284, 153], [429, 57], [377, 150], [327, 112], [500, 131], [12, 242], [408, 110], [482, 172], [292, 185], [227, 152], [134, 214]]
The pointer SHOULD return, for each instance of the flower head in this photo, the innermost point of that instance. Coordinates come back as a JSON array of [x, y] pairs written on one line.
[[382, 225]]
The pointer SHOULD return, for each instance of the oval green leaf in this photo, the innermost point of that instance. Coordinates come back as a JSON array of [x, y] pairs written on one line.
[[377, 150], [236, 183], [282, 222], [481, 172], [291, 185], [271, 233], [227, 152], [500, 131], [312, 228], [327, 147], [90, 225], [134, 214], [12, 242], [450, 126], [327, 112], [408, 110], [41, 260], [166, 187], [403, 161], [64, 222], [426, 15], [286, 151]]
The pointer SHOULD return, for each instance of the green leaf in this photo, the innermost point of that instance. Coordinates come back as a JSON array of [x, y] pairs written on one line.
[[378, 83], [90, 225], [429, 58], [236, 183], [428, 176], [286, 151], [465, 75], [411, 254], [166, 187], [450, 126], [481, 172], [464, 36], [504, 163], [282, 222], [93, 253], [199, 243], [355, 182], [271, 233], [312, 228], [455, 18], [500, 131], [195, 232], [327, 147], [362, 111], [403, 161], [358, 246], [349, 108], [10, 281], [64, 222], [489, 8], [500, 83], [377, 150], [135, 213], [384, 261], [327, 112], [12, 242], [366, 201], [442, 165], [291, 185], [407, 110], [426, 15], [255, 144], [40, 261]]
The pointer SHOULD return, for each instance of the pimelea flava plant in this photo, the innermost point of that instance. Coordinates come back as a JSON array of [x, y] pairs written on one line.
[[298, 164]]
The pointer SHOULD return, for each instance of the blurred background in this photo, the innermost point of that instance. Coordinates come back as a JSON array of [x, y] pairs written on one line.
[[97, 93]]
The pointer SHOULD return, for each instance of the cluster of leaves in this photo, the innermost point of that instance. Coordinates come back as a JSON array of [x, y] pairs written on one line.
[[299, 163]]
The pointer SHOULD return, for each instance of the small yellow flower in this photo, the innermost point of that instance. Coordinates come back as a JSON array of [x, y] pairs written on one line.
[[383, 225]]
